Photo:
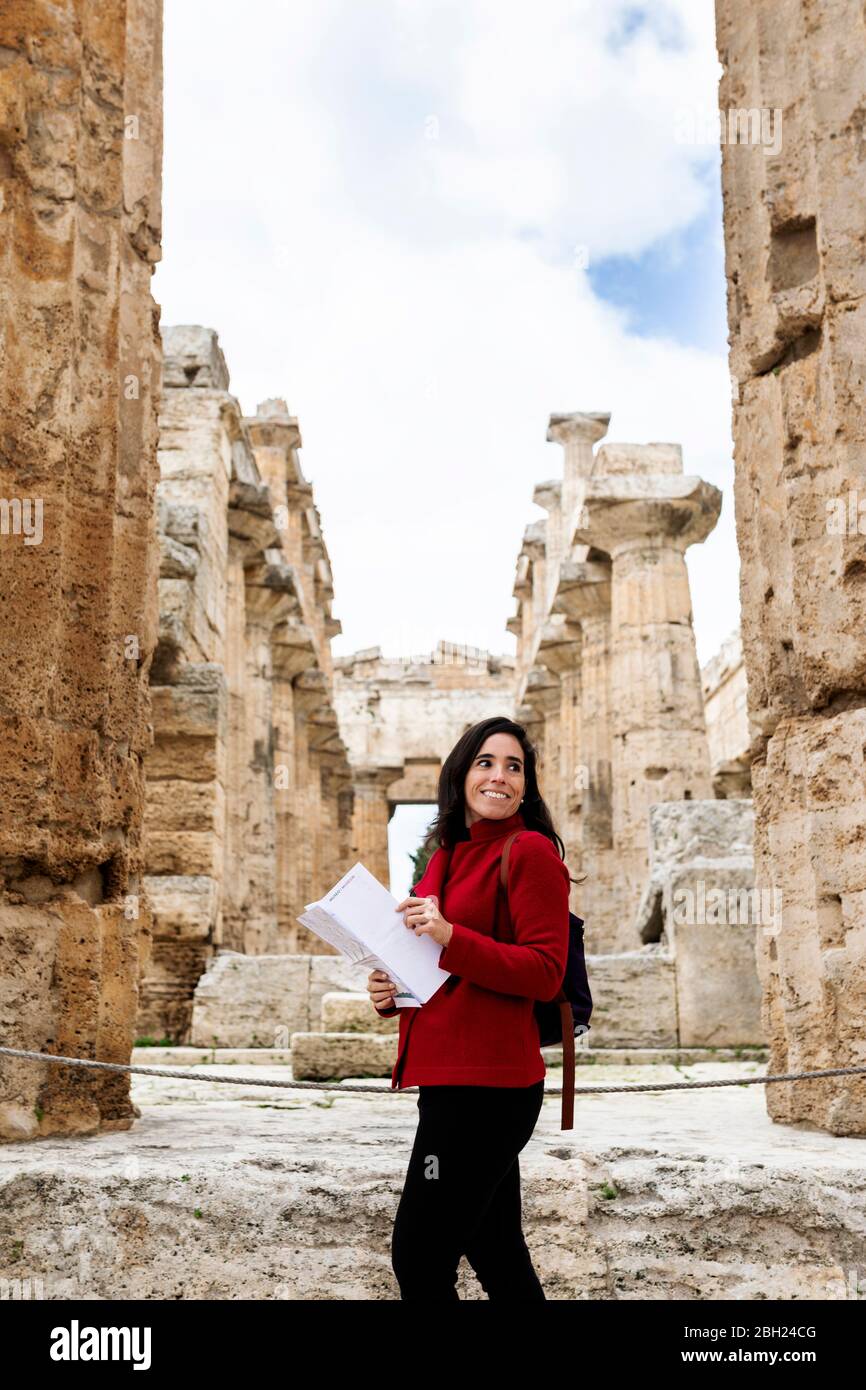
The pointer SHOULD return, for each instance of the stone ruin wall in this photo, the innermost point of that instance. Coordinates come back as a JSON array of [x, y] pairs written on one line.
[[644, 757], [80, 226], [729, 729], [607, 676], [249, 792], [234, 676], [400, 717], [794, 218]]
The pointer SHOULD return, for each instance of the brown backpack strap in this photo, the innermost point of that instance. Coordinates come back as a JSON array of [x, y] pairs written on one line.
[[567, 1061], [564, 1009]]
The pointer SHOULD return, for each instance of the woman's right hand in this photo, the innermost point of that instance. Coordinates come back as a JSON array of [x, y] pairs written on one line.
[[380, 988]]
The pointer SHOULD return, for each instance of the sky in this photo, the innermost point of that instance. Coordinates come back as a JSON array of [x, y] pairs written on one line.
[[428, 225]]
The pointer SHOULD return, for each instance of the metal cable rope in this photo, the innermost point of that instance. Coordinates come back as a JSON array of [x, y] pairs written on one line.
[[175, 1073]]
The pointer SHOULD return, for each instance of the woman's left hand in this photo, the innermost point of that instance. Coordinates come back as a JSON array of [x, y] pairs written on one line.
[[425, 919]]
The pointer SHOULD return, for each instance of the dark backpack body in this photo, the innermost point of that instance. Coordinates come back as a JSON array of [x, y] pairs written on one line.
[[575, 989], [575, 986]]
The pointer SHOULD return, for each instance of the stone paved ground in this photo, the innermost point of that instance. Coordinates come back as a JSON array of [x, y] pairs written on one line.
[[234, 1192]]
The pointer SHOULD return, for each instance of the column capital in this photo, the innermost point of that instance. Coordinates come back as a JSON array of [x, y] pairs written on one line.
[[251, 517], [619, 512], [578, 427], [559, 644], [532, 720], [374, 780], [542, 688], [583, 590], [548, 494], [535, 539], [323, 733], [273, 426], [270, 596], [293, 649], [299, 495], [522, 577]]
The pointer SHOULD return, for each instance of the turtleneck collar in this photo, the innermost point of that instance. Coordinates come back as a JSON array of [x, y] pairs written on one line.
[[486, 828]]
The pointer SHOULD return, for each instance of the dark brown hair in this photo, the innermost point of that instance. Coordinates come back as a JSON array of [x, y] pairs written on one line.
[[449, 825]]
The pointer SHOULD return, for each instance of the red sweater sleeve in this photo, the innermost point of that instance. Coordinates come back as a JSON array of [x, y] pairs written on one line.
[[534, 964], [389, 1013]]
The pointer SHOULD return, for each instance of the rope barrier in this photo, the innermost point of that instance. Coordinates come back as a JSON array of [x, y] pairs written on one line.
[[176, 1074]]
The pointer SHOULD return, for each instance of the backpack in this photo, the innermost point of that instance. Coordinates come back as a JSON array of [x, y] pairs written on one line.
[[562, 1019]]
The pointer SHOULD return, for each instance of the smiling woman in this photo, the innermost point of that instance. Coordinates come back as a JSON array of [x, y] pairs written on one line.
[[473, 1048]]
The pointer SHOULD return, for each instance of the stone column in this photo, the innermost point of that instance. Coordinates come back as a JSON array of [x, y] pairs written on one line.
[[259, 594], [187, 764], [269, 599], [576, 432], [559, 653], [80, 159], [794, 219], [372, 813], [645, 519], [336, 812], [584, 596], [292, 653]]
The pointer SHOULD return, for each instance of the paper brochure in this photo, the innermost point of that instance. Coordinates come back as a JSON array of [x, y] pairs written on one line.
[[359, 918]]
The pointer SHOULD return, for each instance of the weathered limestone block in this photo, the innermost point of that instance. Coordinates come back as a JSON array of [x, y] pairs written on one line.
[[810, 799], [260, 1000], [694, 833], [797, 316], [174, 968], [333, 1056], [354, 1013], [701, 900], [648, 1198], [80, 157], [251, 1001], [718, 989], [194, 358], [332, 973], [69, 969], [184, 906], [730, 733], [634, 999]]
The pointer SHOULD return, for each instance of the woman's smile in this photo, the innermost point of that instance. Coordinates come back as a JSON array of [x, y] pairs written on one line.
[[496, 781]]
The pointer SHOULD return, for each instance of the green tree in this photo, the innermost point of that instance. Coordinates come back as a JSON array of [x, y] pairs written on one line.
[[420, 859]]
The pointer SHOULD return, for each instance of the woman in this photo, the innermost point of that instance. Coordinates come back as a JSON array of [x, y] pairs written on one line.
[[473, 1048]]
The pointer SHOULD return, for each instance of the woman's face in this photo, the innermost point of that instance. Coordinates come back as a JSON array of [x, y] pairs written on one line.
[[496, 779]]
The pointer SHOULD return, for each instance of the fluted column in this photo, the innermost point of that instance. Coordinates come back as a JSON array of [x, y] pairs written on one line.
[[559, 654], [80, 224], [584, 595], [307, 698], [577, 432], [292, 653], [269, 600], [370, 819], [645, 522], [794, 220]]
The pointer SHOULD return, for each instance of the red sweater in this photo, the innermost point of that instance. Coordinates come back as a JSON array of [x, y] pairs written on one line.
[[480, 1029]]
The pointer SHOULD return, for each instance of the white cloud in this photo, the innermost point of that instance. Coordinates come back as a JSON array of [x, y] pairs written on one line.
[[415, 299]]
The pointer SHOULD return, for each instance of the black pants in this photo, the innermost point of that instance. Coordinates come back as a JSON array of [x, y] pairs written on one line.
[[462, 1194]]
